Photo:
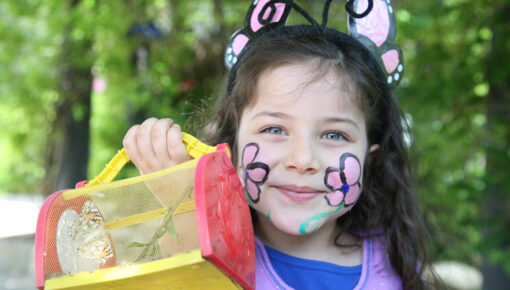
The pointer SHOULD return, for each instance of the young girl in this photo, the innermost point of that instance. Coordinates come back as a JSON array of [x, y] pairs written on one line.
[[317, 138]]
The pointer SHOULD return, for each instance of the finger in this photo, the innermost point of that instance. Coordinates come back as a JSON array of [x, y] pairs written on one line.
[[176, 148], [144, 144], [159, 142], [131, 148]]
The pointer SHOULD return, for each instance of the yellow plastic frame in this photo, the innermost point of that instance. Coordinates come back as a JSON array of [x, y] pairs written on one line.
[[194, 147], [182, 271]]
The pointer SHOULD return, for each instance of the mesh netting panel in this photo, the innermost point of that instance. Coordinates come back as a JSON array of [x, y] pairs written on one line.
[[119, 224]]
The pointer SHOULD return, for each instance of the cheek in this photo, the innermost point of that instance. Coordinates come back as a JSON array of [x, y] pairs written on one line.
[[351, 168], [344, 181], [253, 171]]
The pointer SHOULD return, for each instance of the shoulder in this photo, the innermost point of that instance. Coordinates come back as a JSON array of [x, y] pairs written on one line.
[[265, 276], [377, 271]]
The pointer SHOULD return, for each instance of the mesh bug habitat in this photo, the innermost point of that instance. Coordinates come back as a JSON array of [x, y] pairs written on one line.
[[185, 227]]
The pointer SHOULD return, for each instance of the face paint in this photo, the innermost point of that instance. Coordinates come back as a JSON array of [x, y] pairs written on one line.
[[250, 203], [310, 225], [255, 173], [344, 181], [344, 184]]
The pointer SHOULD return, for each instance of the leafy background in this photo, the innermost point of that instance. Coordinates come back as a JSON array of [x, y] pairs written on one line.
[[76, 74]]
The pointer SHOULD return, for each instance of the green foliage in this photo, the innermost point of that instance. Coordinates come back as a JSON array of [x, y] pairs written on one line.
[[28, 91], [445, 90]]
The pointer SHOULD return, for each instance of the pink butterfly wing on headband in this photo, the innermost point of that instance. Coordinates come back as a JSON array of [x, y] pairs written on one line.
[[239, 43], [255, 25], [377, 32], [252, 27], [391, 60], [376, 25]]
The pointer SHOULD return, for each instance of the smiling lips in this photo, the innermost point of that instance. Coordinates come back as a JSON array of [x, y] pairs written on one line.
[[299, 193]]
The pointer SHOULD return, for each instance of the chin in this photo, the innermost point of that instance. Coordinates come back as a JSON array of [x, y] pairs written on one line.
[[298, 226]]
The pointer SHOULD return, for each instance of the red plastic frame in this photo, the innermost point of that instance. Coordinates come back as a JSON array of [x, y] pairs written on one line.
[[45, 252], [224, 223]]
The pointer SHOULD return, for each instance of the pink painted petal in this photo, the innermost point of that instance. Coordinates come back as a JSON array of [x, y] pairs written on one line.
[[335, 198], [239, 43], [352, 170], [333, 179], [249, 154], [352, 196], [257, 174], [254, 22], [252, 189], [376, 25], [390, 60]]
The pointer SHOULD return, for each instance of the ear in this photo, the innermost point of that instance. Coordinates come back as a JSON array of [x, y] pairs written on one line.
[[373, 148]]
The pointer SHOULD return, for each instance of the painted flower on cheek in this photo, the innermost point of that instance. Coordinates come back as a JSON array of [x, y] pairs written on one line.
[[255, 173], [344, 181]]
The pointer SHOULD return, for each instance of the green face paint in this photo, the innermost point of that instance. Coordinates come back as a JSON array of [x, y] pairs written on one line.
[[252, 206], [314, 220]]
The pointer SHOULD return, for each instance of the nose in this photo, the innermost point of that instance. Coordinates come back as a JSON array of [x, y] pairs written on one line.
[[301, 157]]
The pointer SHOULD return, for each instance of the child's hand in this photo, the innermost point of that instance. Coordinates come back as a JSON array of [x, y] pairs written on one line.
[[155, 145]]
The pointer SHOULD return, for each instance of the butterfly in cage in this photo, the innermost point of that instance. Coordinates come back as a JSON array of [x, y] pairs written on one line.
[[96, 247], [89, 227], [87, 222], [376, 31]]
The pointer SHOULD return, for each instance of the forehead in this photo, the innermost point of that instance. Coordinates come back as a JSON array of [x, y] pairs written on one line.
[[316, 86]]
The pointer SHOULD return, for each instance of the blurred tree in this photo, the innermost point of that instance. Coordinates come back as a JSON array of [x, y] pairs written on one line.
[[73, 108], [447, 115], [496, 210], [454, 91], [29, 50]]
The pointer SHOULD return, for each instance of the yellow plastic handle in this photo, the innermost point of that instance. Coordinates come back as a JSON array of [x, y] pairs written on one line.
[[194, 147]]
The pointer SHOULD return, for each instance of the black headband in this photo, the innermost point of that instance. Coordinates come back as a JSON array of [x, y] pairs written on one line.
[[372, 29]]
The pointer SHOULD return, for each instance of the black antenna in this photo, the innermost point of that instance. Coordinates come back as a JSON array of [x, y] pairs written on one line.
[[325, 12], [349, 9], [292, 4]]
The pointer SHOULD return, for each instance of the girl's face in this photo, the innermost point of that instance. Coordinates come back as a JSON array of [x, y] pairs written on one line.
[[301, 145]]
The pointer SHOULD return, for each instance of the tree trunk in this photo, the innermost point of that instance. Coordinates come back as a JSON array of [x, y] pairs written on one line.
[[71, 144], [75, 147]]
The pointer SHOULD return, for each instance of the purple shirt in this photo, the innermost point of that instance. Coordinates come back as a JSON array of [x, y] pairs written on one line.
[[376, 272]]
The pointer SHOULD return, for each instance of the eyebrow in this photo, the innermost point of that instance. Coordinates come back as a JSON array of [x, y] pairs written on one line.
[[282, 115], [343, 120]]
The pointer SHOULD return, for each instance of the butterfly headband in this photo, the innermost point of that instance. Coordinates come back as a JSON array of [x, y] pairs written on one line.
[[371, 22]]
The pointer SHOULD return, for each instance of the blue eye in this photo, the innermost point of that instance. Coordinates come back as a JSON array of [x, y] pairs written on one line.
[[333, 135], [274, 130]]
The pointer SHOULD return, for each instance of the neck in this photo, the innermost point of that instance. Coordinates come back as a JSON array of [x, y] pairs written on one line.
[[294, 245], [319, 245]]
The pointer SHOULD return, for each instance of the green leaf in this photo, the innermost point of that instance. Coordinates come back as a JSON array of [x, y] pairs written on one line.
[[137, 244], [170, 228], [155, 251]]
